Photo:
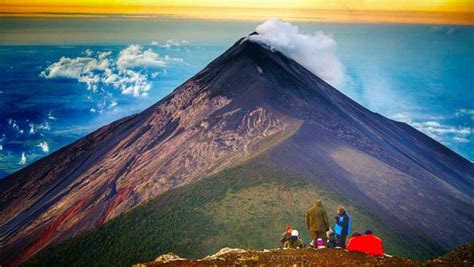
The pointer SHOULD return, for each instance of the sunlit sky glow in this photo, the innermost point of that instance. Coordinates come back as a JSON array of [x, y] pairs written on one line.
[[397, 11]]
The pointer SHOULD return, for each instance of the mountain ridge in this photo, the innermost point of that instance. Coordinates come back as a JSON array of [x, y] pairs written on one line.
[[231, 111], [462, 256]]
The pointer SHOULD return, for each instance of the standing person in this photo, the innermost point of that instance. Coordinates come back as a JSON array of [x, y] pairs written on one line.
[[286, 235], [317, 222], [342, 227]]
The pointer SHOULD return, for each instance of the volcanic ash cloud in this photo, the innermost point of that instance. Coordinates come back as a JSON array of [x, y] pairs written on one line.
[[316, 52]]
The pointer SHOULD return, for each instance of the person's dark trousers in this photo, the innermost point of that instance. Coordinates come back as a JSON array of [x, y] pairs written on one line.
[[341, 241], [316, 235]]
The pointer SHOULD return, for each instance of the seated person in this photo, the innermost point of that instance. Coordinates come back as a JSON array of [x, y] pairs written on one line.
[[355, 243], [331, 240], [367, 243], [286, 235], [294, 241]]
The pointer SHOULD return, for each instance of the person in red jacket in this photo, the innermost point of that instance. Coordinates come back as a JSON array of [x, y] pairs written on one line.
[[367, 243], [355, 242]]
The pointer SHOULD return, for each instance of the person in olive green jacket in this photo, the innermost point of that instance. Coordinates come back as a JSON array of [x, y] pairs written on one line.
[[317, 222]]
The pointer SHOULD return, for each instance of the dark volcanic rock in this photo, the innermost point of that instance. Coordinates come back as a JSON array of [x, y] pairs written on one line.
[[464, 253], [247, 100]]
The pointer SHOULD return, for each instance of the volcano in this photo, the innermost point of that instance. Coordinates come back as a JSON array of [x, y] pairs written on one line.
[[249, 104]]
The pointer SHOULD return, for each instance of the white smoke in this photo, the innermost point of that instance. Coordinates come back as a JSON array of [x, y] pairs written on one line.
[[316, 52]]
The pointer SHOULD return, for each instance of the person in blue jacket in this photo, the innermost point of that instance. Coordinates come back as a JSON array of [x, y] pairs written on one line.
[[342, 227]]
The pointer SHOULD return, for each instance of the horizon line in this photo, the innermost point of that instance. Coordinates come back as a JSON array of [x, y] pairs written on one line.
[[256, 14]]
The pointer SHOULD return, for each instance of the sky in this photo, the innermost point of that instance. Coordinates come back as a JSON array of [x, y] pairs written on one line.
[[365, 11], [398, 5]]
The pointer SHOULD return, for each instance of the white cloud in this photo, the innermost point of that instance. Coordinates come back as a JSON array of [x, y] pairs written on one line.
[[465, 112], [14, 125], [32, 128], [42, 126], [99, 71], [88, 52], [135, 56], [316, 52], [50, 116], [82, 69], [434, 124], [113, 104], [432, 128], [44, 147], [170, 43], [74, 67], [22, 159], [437, 130], [129, 82], [460, 139]]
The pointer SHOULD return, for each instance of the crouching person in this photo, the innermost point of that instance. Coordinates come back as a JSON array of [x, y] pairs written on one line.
[[294, 241], [286, 235], [332, 241]]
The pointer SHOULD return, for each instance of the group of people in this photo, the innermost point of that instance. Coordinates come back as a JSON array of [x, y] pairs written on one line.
[[322, 236]]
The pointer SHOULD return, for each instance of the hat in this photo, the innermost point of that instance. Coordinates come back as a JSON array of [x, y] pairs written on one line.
[[368, 232], [294, 233]]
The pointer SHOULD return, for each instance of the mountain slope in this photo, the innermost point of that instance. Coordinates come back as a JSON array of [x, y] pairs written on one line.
[[247, 101], [245, 206]]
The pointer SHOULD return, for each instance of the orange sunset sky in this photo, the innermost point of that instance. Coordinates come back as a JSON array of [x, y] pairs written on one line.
[[396, 11]]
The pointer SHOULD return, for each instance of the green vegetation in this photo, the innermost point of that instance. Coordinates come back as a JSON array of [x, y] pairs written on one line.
[[247, 207]]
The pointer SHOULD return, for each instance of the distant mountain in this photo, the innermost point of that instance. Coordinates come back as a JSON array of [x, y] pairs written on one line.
[[249, 107]]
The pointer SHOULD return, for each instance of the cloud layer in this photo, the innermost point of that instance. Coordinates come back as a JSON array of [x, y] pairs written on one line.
[[437, 130], [316, 52], [129, 72], [99, 69], [170, 43]]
